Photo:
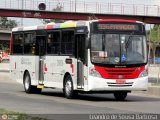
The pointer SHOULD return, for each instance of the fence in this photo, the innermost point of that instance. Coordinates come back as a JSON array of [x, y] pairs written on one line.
[[83, 6]]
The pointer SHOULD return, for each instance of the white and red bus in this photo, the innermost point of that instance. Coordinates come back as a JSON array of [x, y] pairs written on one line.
[[96, 56]]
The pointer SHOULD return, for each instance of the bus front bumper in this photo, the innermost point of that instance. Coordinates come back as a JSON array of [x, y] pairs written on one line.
[[101, 84]]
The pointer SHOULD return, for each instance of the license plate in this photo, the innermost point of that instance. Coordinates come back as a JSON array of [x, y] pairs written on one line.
[[120, 81]]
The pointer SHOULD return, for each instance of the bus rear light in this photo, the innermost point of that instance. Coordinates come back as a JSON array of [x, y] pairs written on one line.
[[94, 73]]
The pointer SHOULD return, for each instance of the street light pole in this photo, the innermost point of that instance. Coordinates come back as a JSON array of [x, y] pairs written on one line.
[[22, 9], [75, 5]]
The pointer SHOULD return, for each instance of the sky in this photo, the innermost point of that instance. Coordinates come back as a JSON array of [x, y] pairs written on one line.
[[29, 21]]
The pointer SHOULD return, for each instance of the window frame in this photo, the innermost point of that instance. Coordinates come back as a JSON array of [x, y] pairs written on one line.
[[22, 43], [61, 30], [73, 41], [53, 54], [28, 32]]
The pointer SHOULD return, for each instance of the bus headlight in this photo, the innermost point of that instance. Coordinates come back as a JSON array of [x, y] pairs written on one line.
[[144, 73], [94, 73]]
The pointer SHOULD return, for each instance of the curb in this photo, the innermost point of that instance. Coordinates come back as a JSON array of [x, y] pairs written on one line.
[[4, 70], [152, 91]]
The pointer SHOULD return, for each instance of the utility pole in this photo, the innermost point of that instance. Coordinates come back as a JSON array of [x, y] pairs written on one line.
[[149, 51]]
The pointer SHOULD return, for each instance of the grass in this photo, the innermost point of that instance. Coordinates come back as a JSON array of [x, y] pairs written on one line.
[[10, 115]]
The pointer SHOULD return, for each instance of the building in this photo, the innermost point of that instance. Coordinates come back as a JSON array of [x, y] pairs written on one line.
[[4, 39]]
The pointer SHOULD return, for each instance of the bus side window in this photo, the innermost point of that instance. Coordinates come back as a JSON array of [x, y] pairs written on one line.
[[53, 42], [40, 48], [18, 43], [29, 43], [80, 47], [67, 42]]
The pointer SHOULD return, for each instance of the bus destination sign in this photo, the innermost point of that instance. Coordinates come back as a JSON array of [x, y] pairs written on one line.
[[116, 27]]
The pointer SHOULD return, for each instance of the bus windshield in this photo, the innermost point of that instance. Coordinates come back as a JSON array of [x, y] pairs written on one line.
[[118, 49]]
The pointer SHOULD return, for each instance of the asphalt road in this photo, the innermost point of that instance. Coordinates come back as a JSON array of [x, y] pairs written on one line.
[[13, 97]]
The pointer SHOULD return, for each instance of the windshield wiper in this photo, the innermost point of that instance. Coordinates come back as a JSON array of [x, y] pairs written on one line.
[[129, 39]]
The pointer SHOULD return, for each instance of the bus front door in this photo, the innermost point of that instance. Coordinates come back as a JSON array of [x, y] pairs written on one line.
[[80, 43], [41, 52]]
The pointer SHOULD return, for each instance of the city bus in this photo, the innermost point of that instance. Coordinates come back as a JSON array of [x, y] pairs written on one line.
[[95, 56]]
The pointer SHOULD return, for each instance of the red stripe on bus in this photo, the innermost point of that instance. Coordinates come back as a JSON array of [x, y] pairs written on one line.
[[116, 20], [119, 73], [15, 65], [72, 67], [45, 67], [49, 26]]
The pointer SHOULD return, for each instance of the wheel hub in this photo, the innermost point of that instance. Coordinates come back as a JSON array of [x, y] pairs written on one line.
[[68, 87], [27, 83]]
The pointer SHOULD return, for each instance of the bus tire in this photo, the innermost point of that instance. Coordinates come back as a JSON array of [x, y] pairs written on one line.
[[68, 88], [27, 85], [120, 95]]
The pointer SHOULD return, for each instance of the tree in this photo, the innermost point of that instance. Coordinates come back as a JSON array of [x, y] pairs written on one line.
[[154, 38], [58, 8], [7, 24]]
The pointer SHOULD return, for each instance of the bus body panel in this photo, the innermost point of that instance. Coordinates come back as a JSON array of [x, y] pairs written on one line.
[[20, 64], [56, 70], [86, 69], [48, 71]]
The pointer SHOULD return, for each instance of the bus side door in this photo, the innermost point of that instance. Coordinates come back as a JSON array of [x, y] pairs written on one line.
[[81, 59], [41, 50]]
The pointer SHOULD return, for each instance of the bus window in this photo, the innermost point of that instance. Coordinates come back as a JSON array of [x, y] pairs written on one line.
[[29, 43], [53, 42], [67, 42], [80, 47], [40, 45], [18, 43]]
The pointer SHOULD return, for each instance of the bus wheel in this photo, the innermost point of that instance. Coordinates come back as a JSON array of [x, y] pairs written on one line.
[[27, 85], [68, 88], [120, 95]]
